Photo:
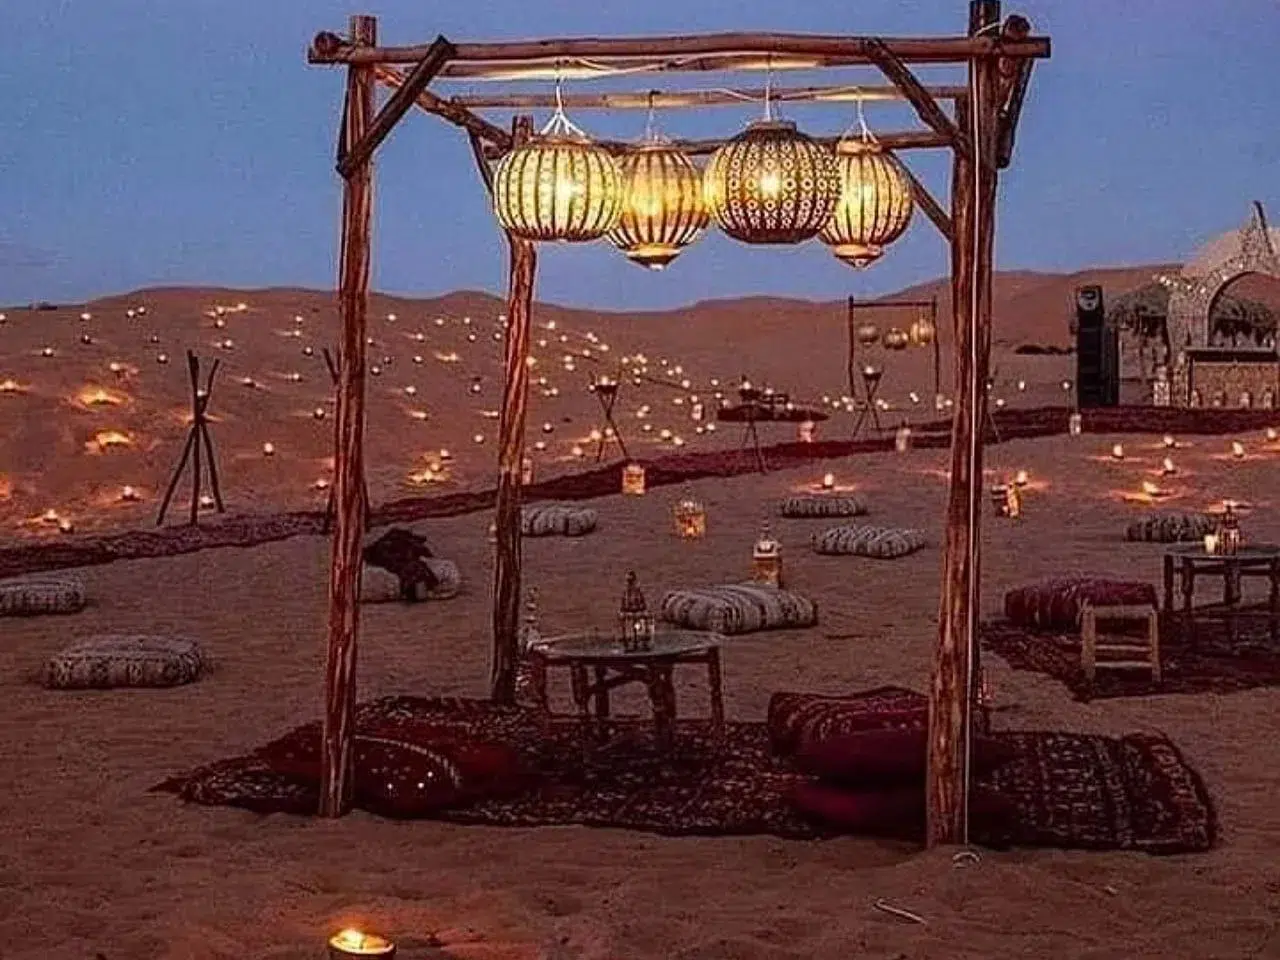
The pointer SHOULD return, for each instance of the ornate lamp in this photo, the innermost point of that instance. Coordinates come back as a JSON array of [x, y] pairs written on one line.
[[922, 332], [766, 559], [662, 206], [868, 334], [558, 186], [896, 338], [875, 201], [635, 622], [691, 517], [771, 184]]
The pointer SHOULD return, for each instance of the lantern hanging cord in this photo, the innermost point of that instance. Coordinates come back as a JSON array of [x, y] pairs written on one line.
[[860, 120], [768, 89], [560, 124]]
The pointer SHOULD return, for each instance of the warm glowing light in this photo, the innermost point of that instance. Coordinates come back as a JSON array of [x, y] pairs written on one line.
[[10, 386], [828, 481], [1170, 441], [111, 438], [1021, 478], [1272, 435], [1167, 467], [663, 210], [1237, 449], [1117, 451], [352, 943], [97, 397], [875, 204], [268, 449]]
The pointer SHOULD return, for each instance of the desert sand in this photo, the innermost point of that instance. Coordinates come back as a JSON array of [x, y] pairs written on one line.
[[94, 865]]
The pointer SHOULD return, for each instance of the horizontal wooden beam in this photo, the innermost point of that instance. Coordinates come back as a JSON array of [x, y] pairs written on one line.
[[901, 140], [459, 116], [668, 100], [932, 209], [722, 51], [900, 75], [396, 107]]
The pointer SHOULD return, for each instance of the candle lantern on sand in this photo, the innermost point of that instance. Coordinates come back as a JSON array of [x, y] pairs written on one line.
[[902, 439], [691, 518], [806, 431], [635, 622], [766, 559], [352, 943], [1075, 424], [526, 471], [633, 480]]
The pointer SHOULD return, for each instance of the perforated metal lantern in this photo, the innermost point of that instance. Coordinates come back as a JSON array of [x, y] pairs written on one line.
[[662, 205], [875, 202], [558, 186], [771, 184]]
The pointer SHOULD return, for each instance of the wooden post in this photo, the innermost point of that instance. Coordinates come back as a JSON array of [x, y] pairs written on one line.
[[515, 401], [955, 662], [348, 462], [937, 349]]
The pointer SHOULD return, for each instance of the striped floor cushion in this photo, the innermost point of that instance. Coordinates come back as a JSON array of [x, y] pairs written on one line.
[[738, 608], [33, 596], [806, 507], [798, 719], [556, 520], [382, 586], [101, 663], [1171, 527], [882, 543], [1055, 605]]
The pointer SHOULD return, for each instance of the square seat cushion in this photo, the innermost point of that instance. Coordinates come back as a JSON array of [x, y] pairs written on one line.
[[880, 543], [556, 520], [101, 663], [798, 719], [30, 597], [1171, 527], [1055, 605], [822, 506], [738, 608]]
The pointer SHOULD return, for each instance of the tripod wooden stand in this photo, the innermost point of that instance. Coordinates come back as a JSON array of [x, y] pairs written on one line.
[[197, 438], [332, 364], [606, 391]]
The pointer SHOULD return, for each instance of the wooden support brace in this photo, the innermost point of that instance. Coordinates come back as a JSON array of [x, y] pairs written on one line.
[[457, 115], [1015, 78], [925, 105], [932, 209], [353, 158]]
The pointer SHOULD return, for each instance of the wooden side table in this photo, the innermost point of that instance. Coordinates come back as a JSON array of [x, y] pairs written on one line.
[[1092, 644]]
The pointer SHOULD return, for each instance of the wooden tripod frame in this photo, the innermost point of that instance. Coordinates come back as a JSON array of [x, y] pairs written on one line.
[[198, 439], [979, 132], [607, 396]]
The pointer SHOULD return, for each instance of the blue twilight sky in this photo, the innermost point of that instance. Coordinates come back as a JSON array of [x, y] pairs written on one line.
[[162, 142]]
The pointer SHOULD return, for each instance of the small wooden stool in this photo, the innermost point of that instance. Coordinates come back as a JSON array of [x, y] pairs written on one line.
[[1127, 648]]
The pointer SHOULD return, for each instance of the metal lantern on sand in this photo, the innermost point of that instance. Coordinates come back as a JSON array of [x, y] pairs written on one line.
[[662, 205], [771, 183], [691, 517], [558, 186], [875, 200], [766, 559]]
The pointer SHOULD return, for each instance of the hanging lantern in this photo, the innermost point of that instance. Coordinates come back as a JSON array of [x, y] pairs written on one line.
[[771, 184], [558, 186], [875, 202], [922, 332], [896, 339], [868, 334], [662, 206]]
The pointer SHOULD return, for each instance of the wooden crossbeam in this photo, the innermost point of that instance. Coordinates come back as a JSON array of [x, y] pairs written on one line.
[[932, 209], [677, 99], [722, 51], [457, 115], [898, 140], [892, 66]]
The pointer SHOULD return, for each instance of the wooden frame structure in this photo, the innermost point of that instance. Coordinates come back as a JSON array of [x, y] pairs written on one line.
[[931, 305], [198, 438], [979, 131]]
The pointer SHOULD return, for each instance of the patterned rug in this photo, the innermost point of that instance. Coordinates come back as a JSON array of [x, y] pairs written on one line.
[[1211, 667], [1068, 790]]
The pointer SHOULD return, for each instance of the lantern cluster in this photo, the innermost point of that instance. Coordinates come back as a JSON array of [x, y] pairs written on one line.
[[770, 184]]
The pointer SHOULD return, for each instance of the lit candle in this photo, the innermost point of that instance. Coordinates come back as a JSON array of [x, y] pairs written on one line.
[[1169, 441], [1167, 468], [1021, 478], [268, 449], [1210, 543], [1117, 451], [1237, 449], [351, 942], [828, 481], [1271, 434]]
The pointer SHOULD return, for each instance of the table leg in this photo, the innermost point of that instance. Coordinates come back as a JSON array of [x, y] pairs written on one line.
[[717, 696], [1231, 594], [1188, 577], [662, 696], [1168, 586], [581, 687], [1274, 602]]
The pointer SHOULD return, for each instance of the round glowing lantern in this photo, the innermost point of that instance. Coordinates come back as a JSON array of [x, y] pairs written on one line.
[[771, 184], [558, 186], [875, 202], [868, 334], [897, 339], [922, 332], [662, 206]]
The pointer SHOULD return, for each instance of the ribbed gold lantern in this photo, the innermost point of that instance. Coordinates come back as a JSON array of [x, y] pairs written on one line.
[[875, 202], [662, 206], [558, 186], [771, 184]]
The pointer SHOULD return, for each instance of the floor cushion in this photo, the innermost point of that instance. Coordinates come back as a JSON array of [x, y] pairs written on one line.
[[1171, 527], [32, 596], [550, 520], [738, 608], [897, 813], [1055, 604], [822, 506], [797, 719], [881, 543], [408, 770], [378, 585], [100, 663], [875, 759]]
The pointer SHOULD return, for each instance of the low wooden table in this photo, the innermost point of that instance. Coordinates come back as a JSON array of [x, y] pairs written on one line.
[[598, 664], [1186, 562]]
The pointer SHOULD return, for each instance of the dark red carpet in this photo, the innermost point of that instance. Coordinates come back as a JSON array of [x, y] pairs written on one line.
[[1068, 790], [1212, 666]]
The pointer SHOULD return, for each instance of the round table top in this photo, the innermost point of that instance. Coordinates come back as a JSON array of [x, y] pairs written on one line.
[[606, 645], [1248, 551]]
